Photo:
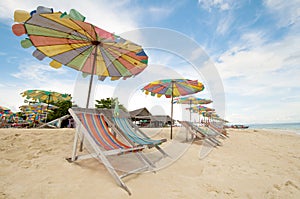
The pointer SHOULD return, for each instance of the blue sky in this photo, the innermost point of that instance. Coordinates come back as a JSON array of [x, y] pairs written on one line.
[[254, 46]]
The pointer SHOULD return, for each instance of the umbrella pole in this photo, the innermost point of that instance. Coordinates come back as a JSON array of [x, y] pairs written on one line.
[[172, 111], [89, 92], [190, 111], [47, 107], [171, 116]]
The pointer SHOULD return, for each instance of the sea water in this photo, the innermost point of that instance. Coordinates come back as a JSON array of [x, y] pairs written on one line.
[[293, 127]]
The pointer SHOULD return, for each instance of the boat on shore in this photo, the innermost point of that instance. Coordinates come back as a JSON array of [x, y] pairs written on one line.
[[237, 126]]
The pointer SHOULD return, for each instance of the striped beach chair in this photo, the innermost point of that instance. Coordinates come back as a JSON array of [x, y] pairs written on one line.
[[196, 131], [136, 135], [102, 144]]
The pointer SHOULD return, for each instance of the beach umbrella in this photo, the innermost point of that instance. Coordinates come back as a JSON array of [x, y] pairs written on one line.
[[191, 100], [40, 109], [4, 109], [45, 96], [200, 109], [37, 107], [69, 41], [6, 114], [37, 111], [209, 114], [171, 88]]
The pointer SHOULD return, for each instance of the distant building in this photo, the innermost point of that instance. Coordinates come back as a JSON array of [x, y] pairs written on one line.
[[141, 117], [160, 120], [144, 118]]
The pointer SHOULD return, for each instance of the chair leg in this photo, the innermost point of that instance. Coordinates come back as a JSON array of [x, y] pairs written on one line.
[[113, 172], [73, 157]]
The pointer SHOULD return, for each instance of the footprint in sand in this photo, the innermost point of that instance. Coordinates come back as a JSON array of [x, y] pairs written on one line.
[[25, 164], [290, 183]]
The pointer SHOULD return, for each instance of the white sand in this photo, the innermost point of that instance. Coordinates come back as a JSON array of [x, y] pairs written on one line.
[[250, 164]]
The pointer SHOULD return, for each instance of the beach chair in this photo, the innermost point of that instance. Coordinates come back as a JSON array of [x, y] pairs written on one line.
[[55, 123], [102, 144], [136, 135], [219, 130], [201, 133], [131, 131]]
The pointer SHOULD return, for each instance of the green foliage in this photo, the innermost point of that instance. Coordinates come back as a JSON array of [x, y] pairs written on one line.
[[104, 103], [61, 111], [109, 103]]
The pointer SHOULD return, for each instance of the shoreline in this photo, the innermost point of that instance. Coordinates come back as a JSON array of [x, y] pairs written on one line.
[[267, 130]]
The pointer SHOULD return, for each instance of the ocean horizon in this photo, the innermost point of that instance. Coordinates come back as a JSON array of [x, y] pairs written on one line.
[[294, 126]]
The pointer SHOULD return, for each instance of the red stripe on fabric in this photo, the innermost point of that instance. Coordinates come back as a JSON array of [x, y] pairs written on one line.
[[51, 41], [88, 65], [87, 27], [104, 132], [110, 133], [95, 133], [103, 34]]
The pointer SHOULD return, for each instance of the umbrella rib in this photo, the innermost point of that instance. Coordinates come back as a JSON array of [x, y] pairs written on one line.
[[61, 27]]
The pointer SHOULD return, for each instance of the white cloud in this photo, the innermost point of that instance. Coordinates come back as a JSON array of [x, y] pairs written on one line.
[[104, 14], [160, 12], [38, 73], [288, 12], [260, 80], [35, 75], [247, 62], [265, 113], [11, 93], [224, 24], [219, 4], [253, 39]]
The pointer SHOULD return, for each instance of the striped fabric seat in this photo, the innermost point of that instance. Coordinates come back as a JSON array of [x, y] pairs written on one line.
[[201, 133], [98, 129], [134, 134]]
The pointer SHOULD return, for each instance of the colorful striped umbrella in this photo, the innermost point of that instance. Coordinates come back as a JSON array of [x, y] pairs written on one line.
[[191, 100], [37, 111], [69, 41], [200, 108], [171, 88], [45, 96], [5, 113], [38, 107], [4, 109]]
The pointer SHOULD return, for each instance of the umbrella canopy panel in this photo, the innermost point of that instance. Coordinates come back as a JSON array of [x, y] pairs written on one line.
[[69, 41], [45, 96], [192, 100], [39, 107], [199, 109]]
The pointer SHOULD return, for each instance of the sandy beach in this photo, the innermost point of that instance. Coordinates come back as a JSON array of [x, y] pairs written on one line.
[[249, 164]]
